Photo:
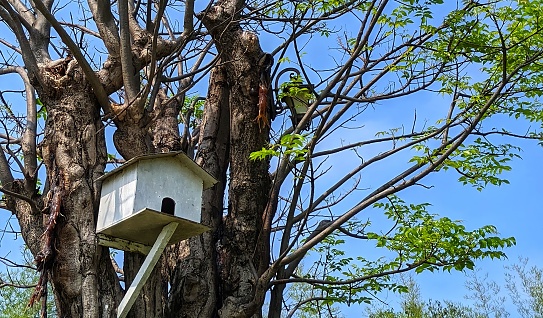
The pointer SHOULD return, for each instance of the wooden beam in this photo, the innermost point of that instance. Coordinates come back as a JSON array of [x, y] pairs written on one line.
[[120, 244], [145, 270]]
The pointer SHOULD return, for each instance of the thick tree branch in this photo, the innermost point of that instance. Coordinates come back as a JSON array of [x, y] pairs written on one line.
[[6, 177], [152, 64], [23, 11], [99, 91], [40, 33], [28, 200], [105, 22], [188, 18], [130, 80]]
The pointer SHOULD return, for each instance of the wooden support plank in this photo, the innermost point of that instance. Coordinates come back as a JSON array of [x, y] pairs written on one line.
[[146, 269], [120, 244]]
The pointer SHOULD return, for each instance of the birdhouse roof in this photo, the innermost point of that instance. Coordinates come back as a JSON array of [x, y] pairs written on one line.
[[208, 180]]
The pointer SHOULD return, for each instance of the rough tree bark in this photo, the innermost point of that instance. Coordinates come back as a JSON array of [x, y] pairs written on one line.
[[195, 289], [249, 180], [74, 153]]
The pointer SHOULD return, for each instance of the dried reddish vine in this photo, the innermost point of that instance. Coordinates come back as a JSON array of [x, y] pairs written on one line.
[[44, 259]]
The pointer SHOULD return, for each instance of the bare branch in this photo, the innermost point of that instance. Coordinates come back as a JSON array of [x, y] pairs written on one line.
[[152, 63], [188, 18], [12, 19], [6, 177], [353, 280], [41, 32], [305, 301], [6, 284], [9, 139], [28, 141], [82, 28], [28, 200], [23, 11], [117, 269], [11, 46], [506, 133]]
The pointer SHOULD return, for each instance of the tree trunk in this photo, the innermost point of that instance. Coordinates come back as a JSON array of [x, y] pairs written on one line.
[[74, 153], [160, 135], [212, 275], [139, 134], [195, 289], [249, 180]]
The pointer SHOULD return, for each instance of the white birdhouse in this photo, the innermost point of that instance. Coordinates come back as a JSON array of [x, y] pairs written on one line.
[[147, 193]]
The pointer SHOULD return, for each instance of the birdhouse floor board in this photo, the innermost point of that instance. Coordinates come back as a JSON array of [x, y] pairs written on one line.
[[144, 227]]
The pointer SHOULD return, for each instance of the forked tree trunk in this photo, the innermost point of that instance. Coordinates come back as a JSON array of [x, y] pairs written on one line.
[[218, 270]]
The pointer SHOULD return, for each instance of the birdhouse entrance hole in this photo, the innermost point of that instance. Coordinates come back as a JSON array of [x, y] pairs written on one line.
[[168, 206]]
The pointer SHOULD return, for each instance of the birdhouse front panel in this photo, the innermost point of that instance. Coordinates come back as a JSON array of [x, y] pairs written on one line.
[[168, 186]]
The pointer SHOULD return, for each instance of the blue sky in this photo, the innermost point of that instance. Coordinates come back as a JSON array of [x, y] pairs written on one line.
[[513, 208]]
